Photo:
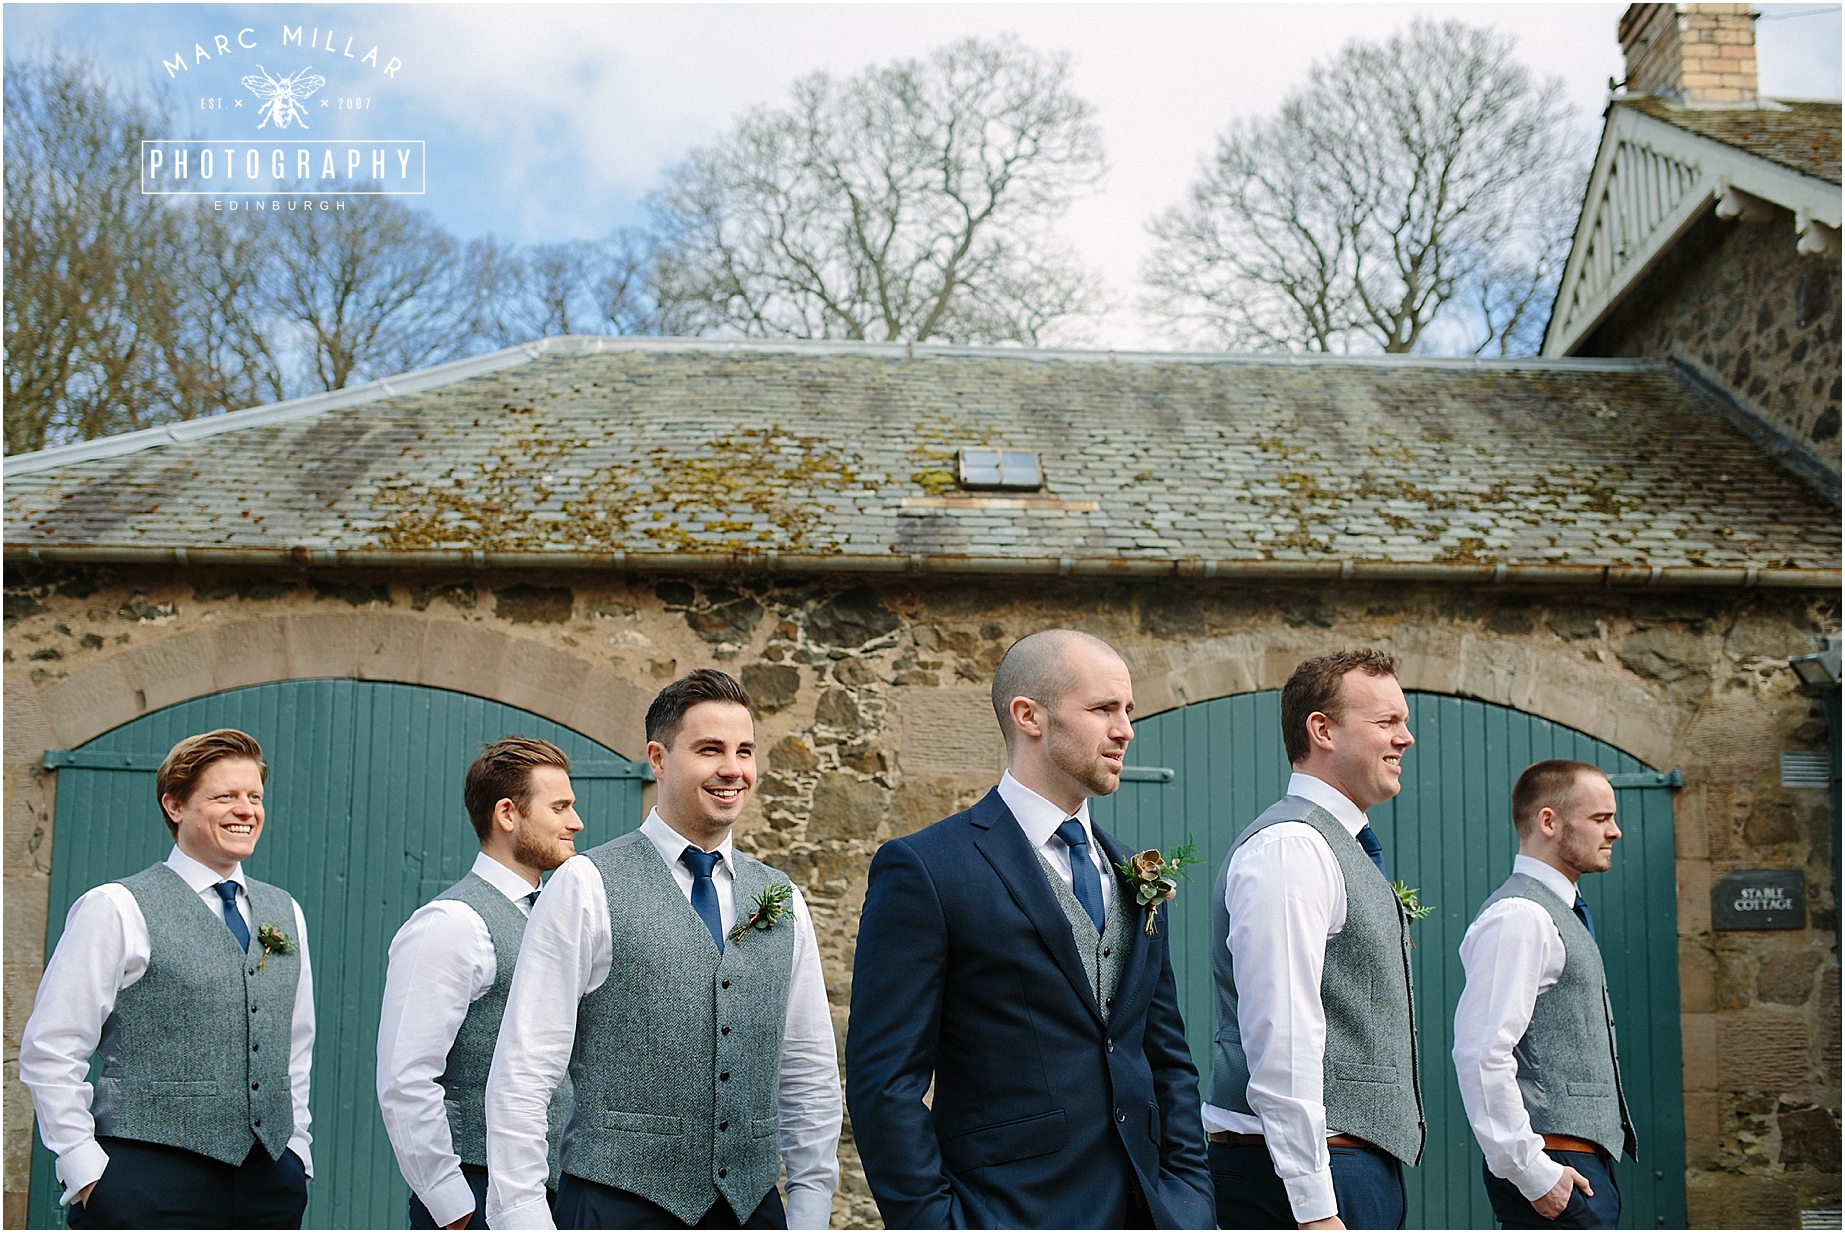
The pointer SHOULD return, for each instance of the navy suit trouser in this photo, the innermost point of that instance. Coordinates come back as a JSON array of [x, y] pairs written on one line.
[[1368, 1186], [1603, 1211], [583, 1204], [153, 1186]]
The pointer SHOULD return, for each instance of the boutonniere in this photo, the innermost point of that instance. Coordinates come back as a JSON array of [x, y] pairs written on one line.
[[775, 902], [1406, 895], [1155, 878], [272, 939]]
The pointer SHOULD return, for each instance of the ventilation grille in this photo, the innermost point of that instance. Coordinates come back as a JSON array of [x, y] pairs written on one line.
[[1819, 1217], [1806, 770]]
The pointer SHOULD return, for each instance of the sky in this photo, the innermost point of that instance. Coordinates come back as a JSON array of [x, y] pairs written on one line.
[[552, 121]]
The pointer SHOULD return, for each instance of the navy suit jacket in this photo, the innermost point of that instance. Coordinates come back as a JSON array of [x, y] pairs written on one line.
[[1044, 1116]]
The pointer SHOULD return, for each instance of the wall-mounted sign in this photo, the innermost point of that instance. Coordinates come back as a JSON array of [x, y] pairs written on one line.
[[1759, 899]]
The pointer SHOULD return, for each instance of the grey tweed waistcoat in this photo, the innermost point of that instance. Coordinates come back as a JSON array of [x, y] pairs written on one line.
[[464, 1074], [1371, 1086], [195, 1053], [1569, 1070], [1102, 953], [677, 1061]]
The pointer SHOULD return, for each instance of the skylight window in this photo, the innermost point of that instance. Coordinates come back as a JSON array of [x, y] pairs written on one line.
[[1000, 469]]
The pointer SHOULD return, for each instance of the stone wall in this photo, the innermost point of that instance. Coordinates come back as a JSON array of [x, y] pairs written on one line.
[[1735, 302], [873, 713]]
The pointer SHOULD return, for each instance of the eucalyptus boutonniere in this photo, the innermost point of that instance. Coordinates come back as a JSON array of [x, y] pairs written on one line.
[[272, 939], [1155, 878], [1406, 895], [775, 902]]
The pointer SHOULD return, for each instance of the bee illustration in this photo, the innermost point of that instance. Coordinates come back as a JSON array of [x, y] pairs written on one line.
[[282, 97]]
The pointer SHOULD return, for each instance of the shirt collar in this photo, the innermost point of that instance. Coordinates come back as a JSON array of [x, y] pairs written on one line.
[[1552, 877], [200, 877], [670, 843], [508, 882], [1037, 817], [1329, 798]]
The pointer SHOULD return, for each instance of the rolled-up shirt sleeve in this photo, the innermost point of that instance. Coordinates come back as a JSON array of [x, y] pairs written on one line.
[[1285, 894], [301, 1051], [103, 949], [809, 1103], [565, 955], [1511, 953]]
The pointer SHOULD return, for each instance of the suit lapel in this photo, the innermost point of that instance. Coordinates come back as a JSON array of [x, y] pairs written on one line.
[[999, 838], [1138, 975]]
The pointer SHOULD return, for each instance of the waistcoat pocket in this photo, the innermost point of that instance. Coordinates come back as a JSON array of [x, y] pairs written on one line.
[[763, 1127], [1604, 1090], [1359, 1072], [182, 1089], [642, 1123]]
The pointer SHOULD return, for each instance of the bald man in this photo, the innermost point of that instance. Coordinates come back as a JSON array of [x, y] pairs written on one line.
[[1002, 958]]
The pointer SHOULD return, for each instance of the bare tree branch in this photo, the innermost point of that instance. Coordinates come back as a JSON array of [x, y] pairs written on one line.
[[1401, 200], [913, 201]]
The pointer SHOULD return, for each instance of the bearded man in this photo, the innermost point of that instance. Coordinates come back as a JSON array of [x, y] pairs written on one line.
[[450, 970], [1003, 959]]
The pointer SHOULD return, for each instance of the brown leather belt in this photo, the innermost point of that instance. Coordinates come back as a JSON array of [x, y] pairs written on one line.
[[1232, 1139], [1567, 1143]]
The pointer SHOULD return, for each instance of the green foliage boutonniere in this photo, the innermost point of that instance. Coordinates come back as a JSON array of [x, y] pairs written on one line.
[[776, 902], [1155, 878], [272, 939], [1406, 895]]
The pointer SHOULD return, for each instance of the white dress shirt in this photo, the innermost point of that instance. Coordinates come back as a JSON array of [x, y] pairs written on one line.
[[1512, 952], [1039, 819], [566, 955], [104, 949], [442, 961], [1286, 896]]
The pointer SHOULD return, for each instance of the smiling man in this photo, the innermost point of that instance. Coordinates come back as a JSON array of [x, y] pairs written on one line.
[[678, 982], [451, 966], [1315, 1104], [1002, 958], [190, 980], [1534, 1044]]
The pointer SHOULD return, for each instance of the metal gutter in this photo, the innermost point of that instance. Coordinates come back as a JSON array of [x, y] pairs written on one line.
[[1188, 568]]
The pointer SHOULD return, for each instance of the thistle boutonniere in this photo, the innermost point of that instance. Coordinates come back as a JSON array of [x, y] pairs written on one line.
[[1406, 895], [1155, 878], [775, 902], [272, 939]]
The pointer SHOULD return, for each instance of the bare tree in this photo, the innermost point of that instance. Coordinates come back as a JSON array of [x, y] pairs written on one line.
[[374, 289], [1403, 178], [575, 287], [82, 274], [913, 201]]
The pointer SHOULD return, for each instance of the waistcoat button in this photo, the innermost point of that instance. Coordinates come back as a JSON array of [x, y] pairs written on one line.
[[1106, 950], [724, 1076], [1120, 1116], [253, 1087], [253, 1008], [723, 1125], [253, 1048], [723, 1172], [723, 1031], [726, 984]]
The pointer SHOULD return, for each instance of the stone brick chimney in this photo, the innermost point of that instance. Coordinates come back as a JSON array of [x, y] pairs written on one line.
[[1692, 54]]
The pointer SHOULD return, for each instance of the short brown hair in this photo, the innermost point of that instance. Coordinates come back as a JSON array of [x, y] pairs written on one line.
[[186, 763], [1315, 686], [669, 706], [1545, 785], [503, 772]]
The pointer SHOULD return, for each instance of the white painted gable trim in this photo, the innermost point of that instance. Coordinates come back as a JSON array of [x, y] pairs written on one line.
[[1652, 181]]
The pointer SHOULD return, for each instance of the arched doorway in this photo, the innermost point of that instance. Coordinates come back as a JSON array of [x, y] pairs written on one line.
[[1449, 833], [364, 825]]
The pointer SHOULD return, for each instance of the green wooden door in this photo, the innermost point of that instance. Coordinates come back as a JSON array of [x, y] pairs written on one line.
[[364, 824], [1449, 833]]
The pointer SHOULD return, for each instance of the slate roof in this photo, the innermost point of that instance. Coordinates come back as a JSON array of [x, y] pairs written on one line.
[[586, 446], [1804, 137]]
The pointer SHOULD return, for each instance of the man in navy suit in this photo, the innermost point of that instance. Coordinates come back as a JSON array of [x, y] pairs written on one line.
[[1002, 957]]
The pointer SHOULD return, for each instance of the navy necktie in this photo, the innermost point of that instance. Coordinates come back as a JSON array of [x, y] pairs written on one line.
[[1582, 914], [704, 891], [227, 891], [1085, 881], [531, 901], [1367, 839]]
